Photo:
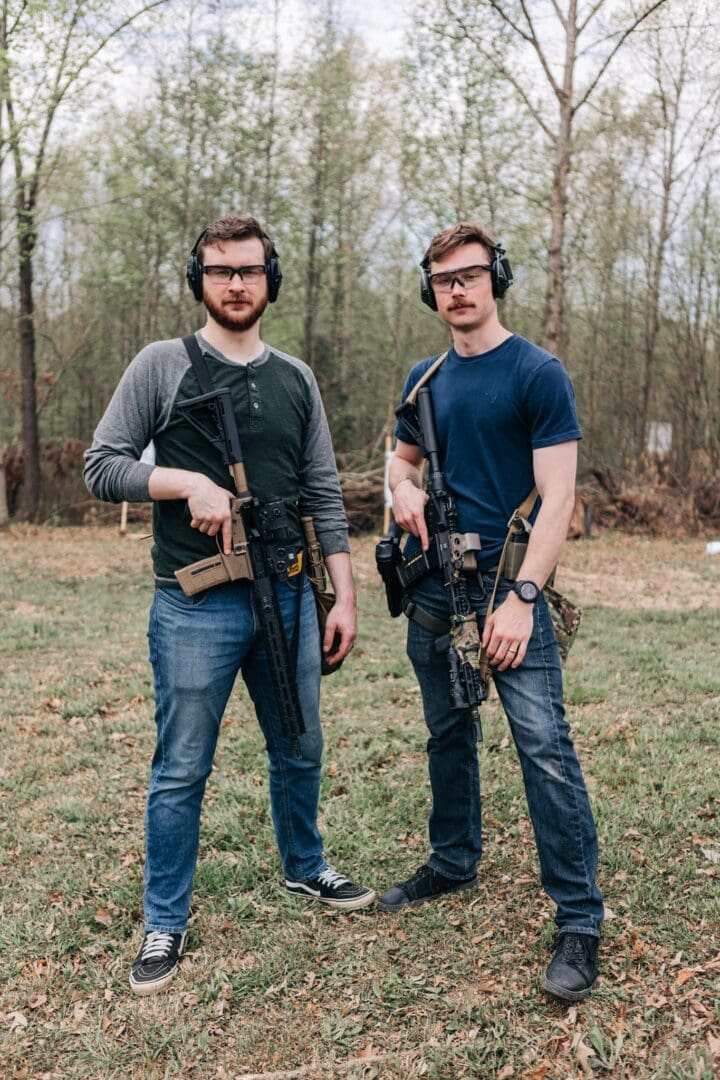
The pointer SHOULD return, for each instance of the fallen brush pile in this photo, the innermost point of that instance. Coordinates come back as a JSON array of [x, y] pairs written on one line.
[[652, 504]]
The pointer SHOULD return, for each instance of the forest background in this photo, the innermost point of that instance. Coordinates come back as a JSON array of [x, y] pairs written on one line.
[[584, 134]]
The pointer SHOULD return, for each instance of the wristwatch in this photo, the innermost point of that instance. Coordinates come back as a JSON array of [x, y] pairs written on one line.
[[527, 591]]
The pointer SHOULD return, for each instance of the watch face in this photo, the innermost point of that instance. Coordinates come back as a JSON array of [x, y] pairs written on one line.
[[528, 591]]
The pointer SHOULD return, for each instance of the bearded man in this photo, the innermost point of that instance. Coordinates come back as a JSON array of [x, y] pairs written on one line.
[[199, 643]]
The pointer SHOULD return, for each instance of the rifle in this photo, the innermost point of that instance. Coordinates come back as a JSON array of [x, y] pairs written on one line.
[[260, 551], [450, 552]]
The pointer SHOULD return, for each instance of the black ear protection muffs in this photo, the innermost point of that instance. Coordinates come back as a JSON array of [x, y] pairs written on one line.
[[194, 274], [500, 273]]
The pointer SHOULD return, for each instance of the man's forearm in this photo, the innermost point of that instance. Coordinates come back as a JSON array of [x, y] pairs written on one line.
[[173, 483], [547, 538], [339, 568], [403, 470]]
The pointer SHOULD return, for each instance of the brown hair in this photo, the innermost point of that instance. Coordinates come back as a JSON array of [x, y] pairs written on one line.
[[235, 227], [465, 232]]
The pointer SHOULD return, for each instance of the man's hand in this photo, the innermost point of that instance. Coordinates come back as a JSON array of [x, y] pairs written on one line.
[[409, 499], [340, 631], [341, 625], [409, 510], [208, 503], [209, 507], [507, 631]]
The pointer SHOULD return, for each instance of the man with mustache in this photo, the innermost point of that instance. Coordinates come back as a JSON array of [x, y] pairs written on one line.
[[506, 422], [199, 643]]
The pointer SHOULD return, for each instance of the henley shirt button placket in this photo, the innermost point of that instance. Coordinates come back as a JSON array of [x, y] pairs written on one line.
[[254, 397]]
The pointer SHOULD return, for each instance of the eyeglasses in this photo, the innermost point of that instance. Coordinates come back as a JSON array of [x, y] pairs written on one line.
[[467, 277], [224, 274]]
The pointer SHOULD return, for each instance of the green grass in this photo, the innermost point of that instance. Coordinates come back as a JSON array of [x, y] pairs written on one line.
[[270, 986]]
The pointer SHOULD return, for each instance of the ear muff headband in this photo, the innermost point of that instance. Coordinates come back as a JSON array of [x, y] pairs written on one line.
[[500, 274], [194, 274]]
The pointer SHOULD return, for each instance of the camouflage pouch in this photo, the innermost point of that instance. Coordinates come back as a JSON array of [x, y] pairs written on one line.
[[565, 617]]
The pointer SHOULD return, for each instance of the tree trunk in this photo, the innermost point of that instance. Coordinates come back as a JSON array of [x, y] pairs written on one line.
[[555, 329], [313, 271], [26, 325], [555, 334], [4, 515], [652, 314]]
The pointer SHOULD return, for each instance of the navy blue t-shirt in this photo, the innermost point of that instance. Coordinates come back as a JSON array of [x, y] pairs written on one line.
[[491, 412]]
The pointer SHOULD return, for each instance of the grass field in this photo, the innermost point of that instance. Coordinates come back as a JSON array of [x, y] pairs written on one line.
[[272, 989]]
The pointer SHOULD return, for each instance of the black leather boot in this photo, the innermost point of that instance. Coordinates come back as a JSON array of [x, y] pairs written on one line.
[[573, 970]]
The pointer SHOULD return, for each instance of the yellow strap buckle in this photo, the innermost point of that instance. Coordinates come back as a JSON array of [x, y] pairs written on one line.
[[296, 566]]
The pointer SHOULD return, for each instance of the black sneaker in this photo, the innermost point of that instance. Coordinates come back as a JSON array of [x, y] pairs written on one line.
[[332, 889], [425, 884], [573, 970], [157, 962]]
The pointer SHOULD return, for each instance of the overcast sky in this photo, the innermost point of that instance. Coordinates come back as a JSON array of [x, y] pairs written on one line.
[[380, 23]]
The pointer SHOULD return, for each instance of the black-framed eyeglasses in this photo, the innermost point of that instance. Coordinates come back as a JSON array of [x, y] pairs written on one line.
[[224, 274], [467, 277]]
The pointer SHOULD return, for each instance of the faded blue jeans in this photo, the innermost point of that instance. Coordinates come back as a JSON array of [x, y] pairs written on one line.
[[197, 646], [531, 696]]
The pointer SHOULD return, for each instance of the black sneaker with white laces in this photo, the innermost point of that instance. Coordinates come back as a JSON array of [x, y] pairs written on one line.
[[573, 968], [332, 889], [157, 961], [424, 885]]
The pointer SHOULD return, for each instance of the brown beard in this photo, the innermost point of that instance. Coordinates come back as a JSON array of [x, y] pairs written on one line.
[[235, 323]]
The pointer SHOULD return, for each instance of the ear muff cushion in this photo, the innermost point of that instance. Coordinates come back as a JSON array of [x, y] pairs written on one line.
[[502, 277], [274, 276], [426, 290], [193, 273]]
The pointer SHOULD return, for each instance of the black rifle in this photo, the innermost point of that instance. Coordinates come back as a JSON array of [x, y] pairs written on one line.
[[450, 552], [260, 551]]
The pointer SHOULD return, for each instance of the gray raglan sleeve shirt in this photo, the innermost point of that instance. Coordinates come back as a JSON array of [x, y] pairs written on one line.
[[141, 408]]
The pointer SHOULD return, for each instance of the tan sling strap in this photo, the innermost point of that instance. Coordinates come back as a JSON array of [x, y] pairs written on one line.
[[410, 399]]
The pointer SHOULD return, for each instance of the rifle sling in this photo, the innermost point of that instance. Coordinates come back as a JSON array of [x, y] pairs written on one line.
[[410, 399], [199, 363]]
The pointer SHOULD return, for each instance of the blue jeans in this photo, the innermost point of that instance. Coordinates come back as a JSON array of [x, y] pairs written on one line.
[[531, 696], [197, 646]]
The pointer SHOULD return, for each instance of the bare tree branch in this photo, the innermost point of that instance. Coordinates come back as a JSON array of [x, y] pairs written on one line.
[[562, 18], [609, 58], [531, 37], [500, 68], [590, 16]]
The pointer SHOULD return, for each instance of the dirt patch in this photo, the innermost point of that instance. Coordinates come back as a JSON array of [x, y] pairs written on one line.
[[73, 551], [617, 571], [612, 569]]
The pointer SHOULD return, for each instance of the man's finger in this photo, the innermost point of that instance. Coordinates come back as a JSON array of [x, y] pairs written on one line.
[[422, 531], [227, 535]]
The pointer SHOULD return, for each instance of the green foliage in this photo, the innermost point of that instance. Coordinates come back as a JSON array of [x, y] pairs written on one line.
[[352, 163]]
